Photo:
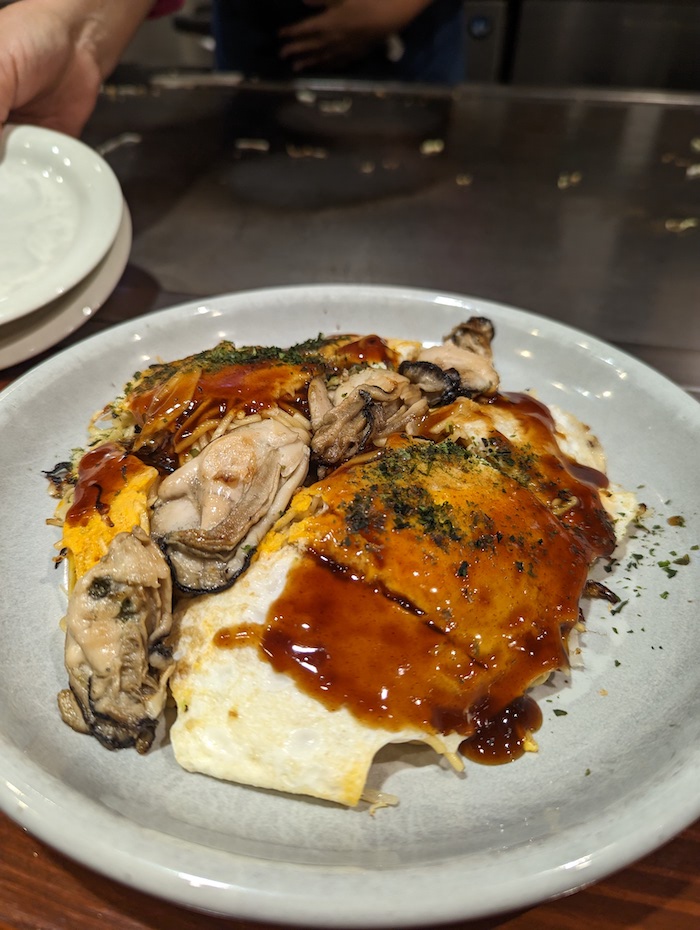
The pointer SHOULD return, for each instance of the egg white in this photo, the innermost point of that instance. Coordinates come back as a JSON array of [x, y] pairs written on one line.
[[240, 720]]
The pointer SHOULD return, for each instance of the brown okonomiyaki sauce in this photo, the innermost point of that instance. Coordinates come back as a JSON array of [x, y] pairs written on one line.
[[102, 474], [172, 403], [170, 415], [169, 412], [502, 738], [434, 589], [579, 506]]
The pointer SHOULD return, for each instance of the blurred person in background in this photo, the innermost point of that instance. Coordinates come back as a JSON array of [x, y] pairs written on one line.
[[55, 54], [403, 40]]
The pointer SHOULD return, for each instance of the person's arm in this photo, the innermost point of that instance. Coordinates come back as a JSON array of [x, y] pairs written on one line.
[[345, 30], [54, 55]]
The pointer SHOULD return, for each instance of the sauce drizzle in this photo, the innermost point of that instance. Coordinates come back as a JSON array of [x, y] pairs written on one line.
[[102, 474]]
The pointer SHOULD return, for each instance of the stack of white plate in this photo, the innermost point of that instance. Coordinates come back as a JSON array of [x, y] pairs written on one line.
[[65, 238]]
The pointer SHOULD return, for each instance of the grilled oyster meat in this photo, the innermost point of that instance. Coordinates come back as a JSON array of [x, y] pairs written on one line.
[[116, 652], [465, 360], [477, 376], [438, 386], [461, 367], [364, 409], [476, 335], [212, 512]]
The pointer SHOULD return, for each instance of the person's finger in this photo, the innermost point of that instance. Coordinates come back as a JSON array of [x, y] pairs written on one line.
[[315, 61], [304, 64], [305, 27], [311, 46]]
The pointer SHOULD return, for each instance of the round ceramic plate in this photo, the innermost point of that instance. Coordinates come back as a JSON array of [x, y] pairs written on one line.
[[61, 209], [619, 761], [26, 336]]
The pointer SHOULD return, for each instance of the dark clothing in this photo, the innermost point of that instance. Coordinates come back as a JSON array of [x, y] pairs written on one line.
[[247, 41]]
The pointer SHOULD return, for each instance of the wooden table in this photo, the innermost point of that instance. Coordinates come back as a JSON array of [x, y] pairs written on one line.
[[581, 206]]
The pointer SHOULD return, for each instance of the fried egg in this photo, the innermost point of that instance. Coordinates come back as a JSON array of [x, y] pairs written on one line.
[[413, 594], [241, 720]]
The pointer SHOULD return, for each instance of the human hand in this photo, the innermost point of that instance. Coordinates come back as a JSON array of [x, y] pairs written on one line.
[[45, 77], [345, 30], [54, 55]]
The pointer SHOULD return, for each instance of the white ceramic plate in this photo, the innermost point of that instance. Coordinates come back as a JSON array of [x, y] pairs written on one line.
[[26, 336], [61, 206], [617, 774]]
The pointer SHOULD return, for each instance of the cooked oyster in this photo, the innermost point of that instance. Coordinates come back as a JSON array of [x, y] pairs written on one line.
[[212, 512], [475, 335], [465, 352], [116, 653], [364, 409], [437, 385]]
